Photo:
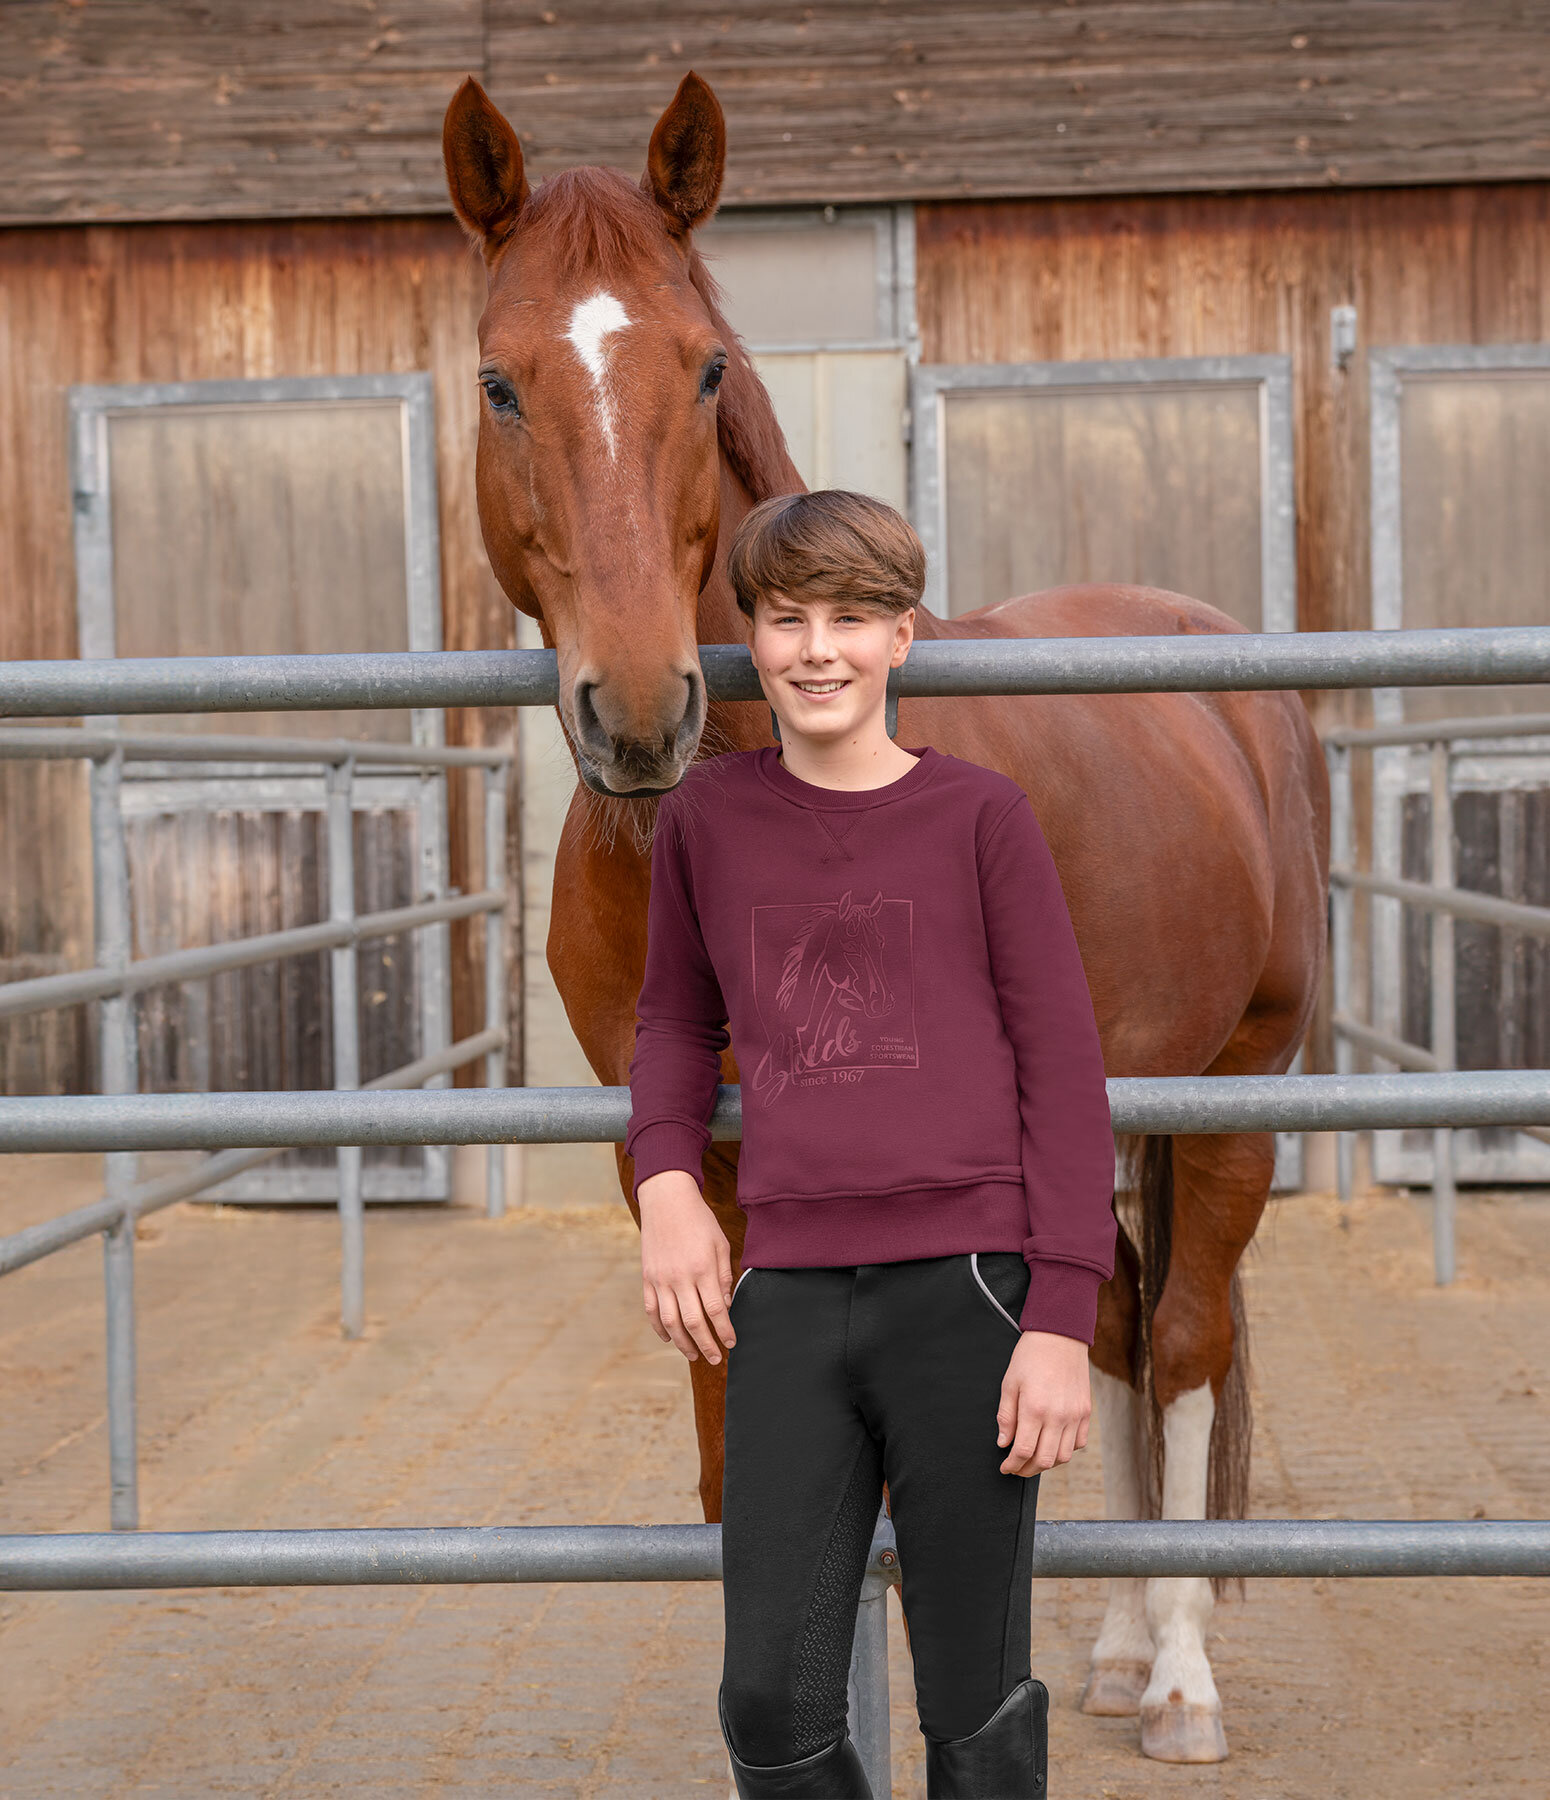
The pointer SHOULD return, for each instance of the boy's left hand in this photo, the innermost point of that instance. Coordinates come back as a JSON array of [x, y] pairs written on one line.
[[1046, 1402]]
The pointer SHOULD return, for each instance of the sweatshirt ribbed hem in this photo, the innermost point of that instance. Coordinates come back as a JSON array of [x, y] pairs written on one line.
[[816, 1234]]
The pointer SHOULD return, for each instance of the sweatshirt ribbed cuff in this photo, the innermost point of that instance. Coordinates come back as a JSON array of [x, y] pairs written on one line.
[[668, 1144], [1062, 1297]]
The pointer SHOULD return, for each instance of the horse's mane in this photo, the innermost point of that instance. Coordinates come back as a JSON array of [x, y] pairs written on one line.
[[598, 220]]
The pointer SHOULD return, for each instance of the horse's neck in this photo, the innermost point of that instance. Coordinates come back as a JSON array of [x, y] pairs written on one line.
[[755, 465], [730, 726]]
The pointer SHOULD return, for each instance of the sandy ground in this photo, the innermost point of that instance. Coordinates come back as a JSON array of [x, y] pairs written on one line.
[[508, 1376]]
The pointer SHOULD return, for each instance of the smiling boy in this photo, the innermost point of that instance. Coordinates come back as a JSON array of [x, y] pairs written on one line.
[[926, 1167]]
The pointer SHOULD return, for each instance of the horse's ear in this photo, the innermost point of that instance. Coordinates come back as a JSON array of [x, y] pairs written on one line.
[[484, 166], [688, 155]]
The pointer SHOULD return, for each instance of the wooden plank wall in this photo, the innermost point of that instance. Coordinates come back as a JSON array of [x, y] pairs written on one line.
[[165, 109], [154, 109], [1214, 275], [189, 303], [45, 920]]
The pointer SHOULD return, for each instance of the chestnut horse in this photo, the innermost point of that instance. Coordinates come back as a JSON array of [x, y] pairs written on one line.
[[623, 436]]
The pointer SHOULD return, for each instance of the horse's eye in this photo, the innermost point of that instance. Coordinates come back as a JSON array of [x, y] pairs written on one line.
[[711, 380], [500, 396]]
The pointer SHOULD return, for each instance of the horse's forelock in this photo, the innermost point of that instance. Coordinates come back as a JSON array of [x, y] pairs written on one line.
[[596, 221]]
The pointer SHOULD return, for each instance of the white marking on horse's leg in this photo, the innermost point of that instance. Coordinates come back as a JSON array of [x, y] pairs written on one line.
[[1181, 1712], [1122, 1656], [592, 322]]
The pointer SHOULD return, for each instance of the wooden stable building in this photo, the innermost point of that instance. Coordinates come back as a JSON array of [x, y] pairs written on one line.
[[1096, 290]]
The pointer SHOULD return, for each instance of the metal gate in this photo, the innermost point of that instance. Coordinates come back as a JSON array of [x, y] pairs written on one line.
[[122, 1123]]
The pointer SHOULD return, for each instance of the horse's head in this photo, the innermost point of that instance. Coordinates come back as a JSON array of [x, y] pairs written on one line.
[[602, 362]]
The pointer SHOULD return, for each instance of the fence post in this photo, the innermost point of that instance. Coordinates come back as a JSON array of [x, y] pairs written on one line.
[[495, 968], [434, 954], [1342, 934], [347, 1049], [1444, 1022], [119, 1057]]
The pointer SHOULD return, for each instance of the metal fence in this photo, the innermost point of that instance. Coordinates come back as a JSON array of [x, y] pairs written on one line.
[[122, 1121], [1445, 902], [117, 978]]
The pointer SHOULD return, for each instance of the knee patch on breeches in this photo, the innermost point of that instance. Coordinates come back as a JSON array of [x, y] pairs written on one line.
[[762, 1729]]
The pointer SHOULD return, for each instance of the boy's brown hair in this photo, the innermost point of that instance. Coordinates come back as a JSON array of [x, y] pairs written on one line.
[[828, 545]]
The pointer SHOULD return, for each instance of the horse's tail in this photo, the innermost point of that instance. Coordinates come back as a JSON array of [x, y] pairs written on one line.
[[1227, 1468]]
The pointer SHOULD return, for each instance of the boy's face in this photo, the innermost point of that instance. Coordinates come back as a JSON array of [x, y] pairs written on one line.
[[824, 663]]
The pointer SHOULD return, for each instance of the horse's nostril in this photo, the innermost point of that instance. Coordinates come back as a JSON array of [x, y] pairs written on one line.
[[693, 715]]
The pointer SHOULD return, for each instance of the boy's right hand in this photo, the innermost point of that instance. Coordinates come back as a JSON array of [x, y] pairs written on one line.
[[686, 1266]]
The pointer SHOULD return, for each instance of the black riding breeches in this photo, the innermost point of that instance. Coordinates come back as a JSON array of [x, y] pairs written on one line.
[[841, 1377]]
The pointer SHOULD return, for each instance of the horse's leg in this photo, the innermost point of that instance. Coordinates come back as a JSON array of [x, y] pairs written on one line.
[[1220, 1184], [708, 1381], [1122, 1655]]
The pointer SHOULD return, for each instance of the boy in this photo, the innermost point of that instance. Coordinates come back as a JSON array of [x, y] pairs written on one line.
[[927, 1170]]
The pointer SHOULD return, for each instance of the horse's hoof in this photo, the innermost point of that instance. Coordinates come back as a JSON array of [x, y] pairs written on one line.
[[1114, 1689], [1178, 1733]]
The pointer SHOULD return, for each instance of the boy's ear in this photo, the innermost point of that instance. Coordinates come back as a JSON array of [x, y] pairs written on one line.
[[906, 621]]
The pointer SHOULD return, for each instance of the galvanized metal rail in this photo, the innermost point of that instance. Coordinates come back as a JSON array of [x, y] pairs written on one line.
[[599, 1115], [46, 993], [37, 1241], [1236, 662], [399, 1556]]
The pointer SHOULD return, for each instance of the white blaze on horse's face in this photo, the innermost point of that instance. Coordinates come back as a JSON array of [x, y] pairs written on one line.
[[592, 323]]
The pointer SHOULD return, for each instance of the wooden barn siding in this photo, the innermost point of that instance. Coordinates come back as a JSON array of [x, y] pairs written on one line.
[[1223, 275], [1227, 275], [156, 109], [203, 302]]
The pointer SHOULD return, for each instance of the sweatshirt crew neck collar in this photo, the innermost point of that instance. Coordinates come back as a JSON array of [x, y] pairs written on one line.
[[778, 777]]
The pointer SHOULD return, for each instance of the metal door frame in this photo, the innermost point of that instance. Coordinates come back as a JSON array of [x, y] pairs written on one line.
[[262, 787], [1490, 765]]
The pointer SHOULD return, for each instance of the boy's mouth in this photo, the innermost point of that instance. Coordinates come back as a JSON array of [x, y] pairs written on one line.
[[819, 690]]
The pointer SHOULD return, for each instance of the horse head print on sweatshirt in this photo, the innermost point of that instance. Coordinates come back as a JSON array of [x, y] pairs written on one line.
[[834, 985]]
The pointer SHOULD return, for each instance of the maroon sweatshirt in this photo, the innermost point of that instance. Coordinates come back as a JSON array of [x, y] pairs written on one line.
[[920, 1067]]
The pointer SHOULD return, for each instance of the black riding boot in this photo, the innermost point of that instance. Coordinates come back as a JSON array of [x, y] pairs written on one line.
[[1006, 1759], [834, 1773]]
